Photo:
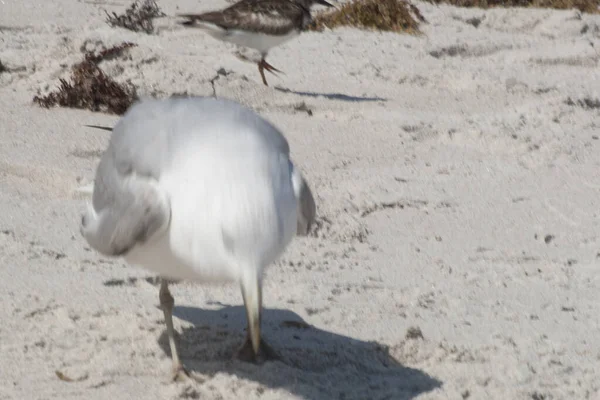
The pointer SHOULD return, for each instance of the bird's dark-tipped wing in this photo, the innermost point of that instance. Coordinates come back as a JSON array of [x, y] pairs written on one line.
[[274, 17], [128, 206]]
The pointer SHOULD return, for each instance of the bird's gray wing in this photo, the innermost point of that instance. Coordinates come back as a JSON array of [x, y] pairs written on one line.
[[254, 22], [308, 210], [273, 136], [128, 206], [255, 16]]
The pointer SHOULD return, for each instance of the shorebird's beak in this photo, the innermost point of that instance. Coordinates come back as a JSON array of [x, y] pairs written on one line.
[[252, 293], [324, 3], [104, 128]]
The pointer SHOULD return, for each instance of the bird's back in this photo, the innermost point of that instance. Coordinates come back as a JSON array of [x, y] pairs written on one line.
[[225, 173], [266, 16]]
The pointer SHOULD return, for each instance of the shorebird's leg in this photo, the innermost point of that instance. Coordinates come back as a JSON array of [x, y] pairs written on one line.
[[254, 346], [269, 67], [262, 65], [167, 302], [262, 74]]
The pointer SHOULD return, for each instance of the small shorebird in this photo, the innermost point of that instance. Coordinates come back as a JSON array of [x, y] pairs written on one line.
[[257, 24], [199, 189]]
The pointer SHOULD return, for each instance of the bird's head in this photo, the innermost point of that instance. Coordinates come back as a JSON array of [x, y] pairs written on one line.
[[307, 17]]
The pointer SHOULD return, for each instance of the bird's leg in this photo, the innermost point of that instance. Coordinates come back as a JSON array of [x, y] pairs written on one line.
[[262, 65], [254, 346], [262, 74], [269, 67], [246, 352], [167, 302]]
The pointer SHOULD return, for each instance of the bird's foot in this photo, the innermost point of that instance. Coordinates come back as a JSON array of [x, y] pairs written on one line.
[[180, 374], [265, 352], [264, 64]]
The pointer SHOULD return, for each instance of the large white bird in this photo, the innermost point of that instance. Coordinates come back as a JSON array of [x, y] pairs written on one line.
[[198, 189]]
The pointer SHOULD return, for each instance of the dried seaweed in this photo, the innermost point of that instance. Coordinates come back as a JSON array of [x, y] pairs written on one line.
[[383, 15], [588, 103], [108, 54], [138, 17], [588, 6], [90, 88]]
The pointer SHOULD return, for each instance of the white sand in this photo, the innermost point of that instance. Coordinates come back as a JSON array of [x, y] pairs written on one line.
[[440, 164]]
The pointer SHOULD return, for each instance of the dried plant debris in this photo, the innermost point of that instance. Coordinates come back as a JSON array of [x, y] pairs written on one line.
[[414, 332], [108, 54], [382, 15], [586, 102], [66, 378], [138, 17], [89, 88], [589, 6]]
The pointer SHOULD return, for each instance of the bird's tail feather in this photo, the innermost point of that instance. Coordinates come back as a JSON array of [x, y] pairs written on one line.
[[306, 202]]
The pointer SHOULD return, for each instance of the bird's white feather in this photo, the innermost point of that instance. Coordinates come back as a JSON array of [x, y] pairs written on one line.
[[226, 175], [254, 40]]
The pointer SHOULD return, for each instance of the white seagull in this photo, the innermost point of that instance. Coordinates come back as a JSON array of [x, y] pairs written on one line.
[[198, 189]]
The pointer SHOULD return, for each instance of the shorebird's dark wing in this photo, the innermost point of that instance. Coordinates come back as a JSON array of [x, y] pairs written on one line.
[[266, 16]]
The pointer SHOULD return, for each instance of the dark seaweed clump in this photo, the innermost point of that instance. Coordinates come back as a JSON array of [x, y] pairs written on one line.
[[90, 88], [382, 15], [138, 17]]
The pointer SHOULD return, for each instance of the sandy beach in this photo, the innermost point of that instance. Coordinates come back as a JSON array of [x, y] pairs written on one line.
[[457, 180]]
